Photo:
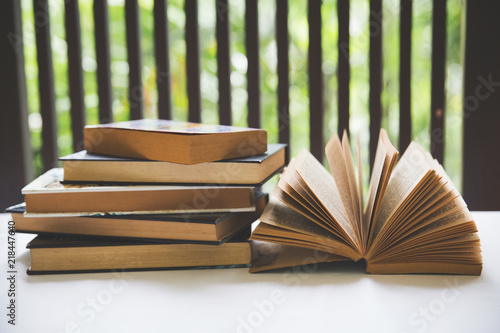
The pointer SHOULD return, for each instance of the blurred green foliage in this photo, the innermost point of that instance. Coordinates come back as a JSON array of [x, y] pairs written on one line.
[[299, 99]]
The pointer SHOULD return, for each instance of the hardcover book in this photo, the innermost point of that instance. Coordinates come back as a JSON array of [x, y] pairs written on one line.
[[173, 141], [56, 254], [47, 195], [213, 228], [412, 221], [249, 171]]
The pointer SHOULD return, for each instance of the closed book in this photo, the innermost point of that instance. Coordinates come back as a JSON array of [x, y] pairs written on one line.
[[212, 228], [173, 141], [56, 254], [47, 195], [250, 171]]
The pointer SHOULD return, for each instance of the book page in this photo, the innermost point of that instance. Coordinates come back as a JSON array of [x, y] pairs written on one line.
[[340, 171], [440, 267], [378, 167], [353, 184], [453, 214], [454, 247], [270, 233], [305, 211], [455, 224], [412, 170], [280, 215], [293, 184], [323, 186], [292, 190], [360, 187], [431, 203], [385, 158], [440, 194]]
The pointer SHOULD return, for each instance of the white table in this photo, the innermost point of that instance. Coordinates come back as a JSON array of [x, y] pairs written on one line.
[[339, 297]]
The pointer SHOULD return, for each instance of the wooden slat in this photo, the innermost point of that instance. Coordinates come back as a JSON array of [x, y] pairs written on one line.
[[50, 151], [135, 89], [15, 147], [343, 73], [481, 115], [283, 75], [437, 78], [375, 74], [315, 61], [75, 72], [405, 74], [223, 61], [162, 59], [193, 60], [103, 57], [253, 69]]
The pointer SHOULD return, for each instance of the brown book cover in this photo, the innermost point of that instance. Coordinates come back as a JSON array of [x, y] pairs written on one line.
[[47, 195], [215, 228], [173, 141]]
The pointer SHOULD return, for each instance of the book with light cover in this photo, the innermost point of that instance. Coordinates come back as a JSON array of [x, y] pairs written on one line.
[[47, 195], [64, 254]]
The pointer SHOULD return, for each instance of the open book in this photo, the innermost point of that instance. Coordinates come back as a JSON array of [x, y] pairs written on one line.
[[412, 221]]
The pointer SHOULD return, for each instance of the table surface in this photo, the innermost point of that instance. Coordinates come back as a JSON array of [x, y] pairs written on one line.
[[336, 297]]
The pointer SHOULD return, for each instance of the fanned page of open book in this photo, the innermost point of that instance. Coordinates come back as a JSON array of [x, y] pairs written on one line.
[[342, 170], [306, 210], [424, 225], [413, 221], [385, 158]]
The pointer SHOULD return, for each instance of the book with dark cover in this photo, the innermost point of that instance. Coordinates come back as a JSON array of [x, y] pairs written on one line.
[[196, 228], [83, 167]]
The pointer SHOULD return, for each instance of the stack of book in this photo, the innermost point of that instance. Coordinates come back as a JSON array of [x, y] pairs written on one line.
[[150, 194]]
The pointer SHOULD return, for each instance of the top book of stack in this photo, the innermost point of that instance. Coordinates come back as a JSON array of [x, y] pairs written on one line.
[[172, 141]]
